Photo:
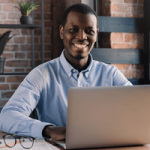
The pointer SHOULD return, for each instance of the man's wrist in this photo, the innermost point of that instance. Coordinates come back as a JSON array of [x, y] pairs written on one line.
[[46, 131]]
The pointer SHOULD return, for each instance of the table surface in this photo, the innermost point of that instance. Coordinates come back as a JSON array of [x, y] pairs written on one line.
[[41, 145]]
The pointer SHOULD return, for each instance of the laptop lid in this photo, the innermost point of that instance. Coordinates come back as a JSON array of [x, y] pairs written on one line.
[[108, 116]]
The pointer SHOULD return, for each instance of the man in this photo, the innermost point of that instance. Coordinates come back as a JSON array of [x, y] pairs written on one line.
[[46, 87]]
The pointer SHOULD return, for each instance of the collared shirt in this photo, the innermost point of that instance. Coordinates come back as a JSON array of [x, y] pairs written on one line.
[[46, 88]]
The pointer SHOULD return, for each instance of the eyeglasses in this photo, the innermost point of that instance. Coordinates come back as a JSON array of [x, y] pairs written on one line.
[[25, 142]]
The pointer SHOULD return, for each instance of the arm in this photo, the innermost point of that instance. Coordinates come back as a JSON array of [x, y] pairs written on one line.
[[14, 117], [119, 79]]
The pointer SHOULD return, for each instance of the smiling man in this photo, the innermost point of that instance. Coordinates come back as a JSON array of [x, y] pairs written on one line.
[[46, 87]]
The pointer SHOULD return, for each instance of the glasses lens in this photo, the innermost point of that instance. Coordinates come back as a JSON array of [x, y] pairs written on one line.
[[26, 142], [9, 141]]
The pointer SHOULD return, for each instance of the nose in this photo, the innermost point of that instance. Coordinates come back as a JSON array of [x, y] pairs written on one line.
[[81, 35]]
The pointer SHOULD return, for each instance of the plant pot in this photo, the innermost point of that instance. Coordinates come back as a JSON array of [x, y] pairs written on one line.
[[2, 63], [26, 20]]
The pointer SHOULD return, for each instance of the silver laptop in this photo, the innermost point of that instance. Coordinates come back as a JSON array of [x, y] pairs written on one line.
[[107, 117]]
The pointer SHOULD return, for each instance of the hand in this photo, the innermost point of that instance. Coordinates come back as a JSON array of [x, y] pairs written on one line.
[[55, 132]]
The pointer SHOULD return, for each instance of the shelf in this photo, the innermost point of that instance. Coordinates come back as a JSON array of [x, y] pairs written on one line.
[[15, 73], [20, 26]]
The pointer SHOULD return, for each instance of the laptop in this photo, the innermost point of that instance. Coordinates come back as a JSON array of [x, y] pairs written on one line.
[[107, 117]]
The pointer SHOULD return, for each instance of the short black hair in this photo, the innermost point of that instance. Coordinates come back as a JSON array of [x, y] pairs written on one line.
[[81, 8]]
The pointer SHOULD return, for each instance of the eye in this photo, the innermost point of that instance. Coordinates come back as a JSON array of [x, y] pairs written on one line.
[[73, 30], [90, 31]]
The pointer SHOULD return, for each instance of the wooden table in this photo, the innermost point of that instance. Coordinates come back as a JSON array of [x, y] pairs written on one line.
[[52, 146]]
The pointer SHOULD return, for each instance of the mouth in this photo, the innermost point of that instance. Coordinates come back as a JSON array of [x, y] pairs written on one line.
[[81, 45]]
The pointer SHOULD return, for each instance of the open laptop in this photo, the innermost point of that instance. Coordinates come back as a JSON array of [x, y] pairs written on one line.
[[107, 117]]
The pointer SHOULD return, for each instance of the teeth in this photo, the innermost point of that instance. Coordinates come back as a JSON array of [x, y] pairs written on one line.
[[80, 45]]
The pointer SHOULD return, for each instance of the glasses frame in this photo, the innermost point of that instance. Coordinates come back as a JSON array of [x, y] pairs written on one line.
[[18, 137]]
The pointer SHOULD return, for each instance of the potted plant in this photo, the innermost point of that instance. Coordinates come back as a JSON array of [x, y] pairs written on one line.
[[25, 9], [3, 41]]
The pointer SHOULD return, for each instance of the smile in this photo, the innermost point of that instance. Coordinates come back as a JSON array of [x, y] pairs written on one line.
[[80, 45]]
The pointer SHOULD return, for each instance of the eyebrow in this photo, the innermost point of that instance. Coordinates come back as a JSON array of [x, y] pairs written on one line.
[[77, 26]]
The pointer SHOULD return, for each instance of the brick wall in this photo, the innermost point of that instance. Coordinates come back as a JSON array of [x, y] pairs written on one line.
[[124, 8], [18, 49]]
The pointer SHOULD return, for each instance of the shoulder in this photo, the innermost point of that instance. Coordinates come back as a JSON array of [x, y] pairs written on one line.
[[103, 66]]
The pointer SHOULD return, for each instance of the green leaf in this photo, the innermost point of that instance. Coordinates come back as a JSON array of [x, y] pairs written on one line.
[[3, 41], [26, 8]]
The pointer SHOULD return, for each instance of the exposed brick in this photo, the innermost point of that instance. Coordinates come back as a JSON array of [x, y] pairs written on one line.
[[127, 9], [37, 16], [37, 32], [19, 39], [138, 45], [48, 16], [118, 1], [26, 47], [28, 69], [47, 8], [7, 94], [48, 23], [48, 31], [3, 102], [3, 15], [117, 37], [20, 55], [9, 22], [121, 45], [47, 39], [141, 1], [47, 55], [36, 55], [13, 79], [19, 70], [9, 1], [134, 38], [36, 39], [57, 12], [130, 1], [37, 22], [4, 87], [26, 32], [11, 48], [47, 2], [14, 15], [138, 9], [8, 7], [14, 86], [48, 47], [37, 47], [116, 7], [7, 70], [2, 79], [16, 63], [123, 66], [8, 55]]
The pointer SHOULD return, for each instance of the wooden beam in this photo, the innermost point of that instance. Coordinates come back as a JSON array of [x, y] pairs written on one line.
[[118, 56], [118, 24]]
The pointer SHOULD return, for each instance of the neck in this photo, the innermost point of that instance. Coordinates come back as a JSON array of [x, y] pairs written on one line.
[[79, 64]]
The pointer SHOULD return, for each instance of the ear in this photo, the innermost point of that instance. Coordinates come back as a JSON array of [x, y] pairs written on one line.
[[97, 31], [61, 30]]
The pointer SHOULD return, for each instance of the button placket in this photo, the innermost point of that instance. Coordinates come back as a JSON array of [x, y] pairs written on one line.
[[80, 79]]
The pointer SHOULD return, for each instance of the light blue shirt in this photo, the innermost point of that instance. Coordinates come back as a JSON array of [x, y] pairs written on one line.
[[46, 88]]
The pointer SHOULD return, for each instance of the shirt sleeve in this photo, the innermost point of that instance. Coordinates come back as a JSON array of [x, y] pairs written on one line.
[[119, 79], [14, 117]]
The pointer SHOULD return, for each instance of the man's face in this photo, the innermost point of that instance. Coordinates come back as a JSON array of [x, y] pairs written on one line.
[[79, 35]]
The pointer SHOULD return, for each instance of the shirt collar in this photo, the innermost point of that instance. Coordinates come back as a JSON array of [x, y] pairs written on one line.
[[70, 70]]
